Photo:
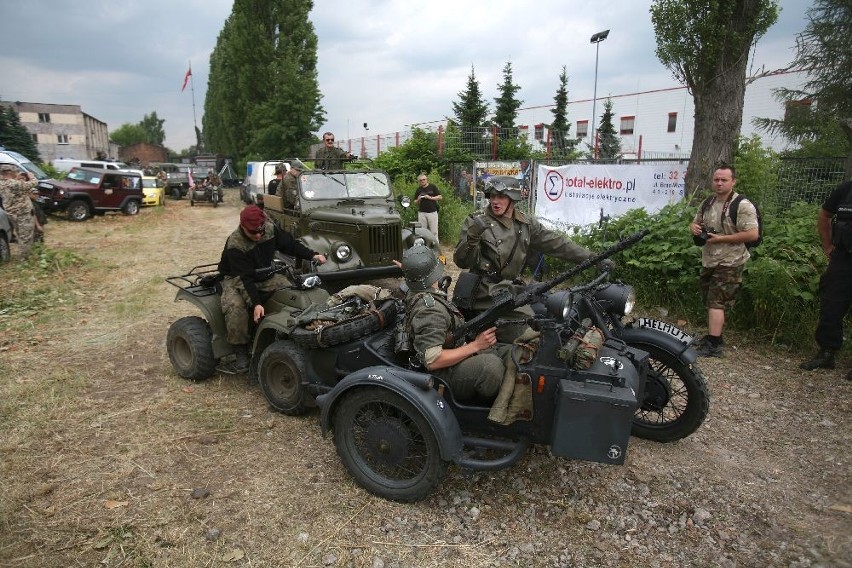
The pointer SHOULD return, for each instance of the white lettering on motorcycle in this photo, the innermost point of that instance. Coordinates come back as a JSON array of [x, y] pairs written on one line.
[[665, 327]]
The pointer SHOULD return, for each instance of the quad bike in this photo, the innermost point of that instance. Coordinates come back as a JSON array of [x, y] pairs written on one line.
[[206, 194], [397, 428]]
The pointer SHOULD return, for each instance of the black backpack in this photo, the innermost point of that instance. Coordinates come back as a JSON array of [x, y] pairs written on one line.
[[732, 211]]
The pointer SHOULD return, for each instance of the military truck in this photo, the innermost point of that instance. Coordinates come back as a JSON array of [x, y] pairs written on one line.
[[351, 217]]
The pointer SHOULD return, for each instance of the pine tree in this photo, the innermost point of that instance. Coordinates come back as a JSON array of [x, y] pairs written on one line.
[[609, 144], [561, 143], [14, 135], [506, 105], [471, 111]]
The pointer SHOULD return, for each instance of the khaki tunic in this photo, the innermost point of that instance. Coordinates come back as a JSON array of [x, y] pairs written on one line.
[[330, 158], [726, 254], [432, 318], [289, 191], [19, 206]]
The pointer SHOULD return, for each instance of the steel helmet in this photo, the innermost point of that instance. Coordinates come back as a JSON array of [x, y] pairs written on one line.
[[421, 268], [501, 187]]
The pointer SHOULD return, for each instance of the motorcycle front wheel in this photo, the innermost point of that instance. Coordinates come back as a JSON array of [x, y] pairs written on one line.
[[387, 445], [676, 399]]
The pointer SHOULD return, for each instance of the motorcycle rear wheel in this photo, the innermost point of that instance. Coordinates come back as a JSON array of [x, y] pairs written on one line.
[[387, 445], [676, 400]]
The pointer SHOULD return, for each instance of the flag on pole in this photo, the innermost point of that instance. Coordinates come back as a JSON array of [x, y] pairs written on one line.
[[186, 77], [191, 181]]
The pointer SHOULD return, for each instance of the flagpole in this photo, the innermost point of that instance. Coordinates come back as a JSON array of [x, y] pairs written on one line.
[[192, 88]]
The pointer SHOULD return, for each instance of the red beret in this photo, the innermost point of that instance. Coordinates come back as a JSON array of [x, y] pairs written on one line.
[[252, 218]]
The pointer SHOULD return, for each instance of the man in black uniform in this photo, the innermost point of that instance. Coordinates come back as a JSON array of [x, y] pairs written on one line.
[[835, 286]]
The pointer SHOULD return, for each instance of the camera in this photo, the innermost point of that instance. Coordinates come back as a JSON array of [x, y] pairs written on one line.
[[701, 239]]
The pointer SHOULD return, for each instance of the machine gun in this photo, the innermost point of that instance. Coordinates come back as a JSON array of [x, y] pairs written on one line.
[[505, 301]]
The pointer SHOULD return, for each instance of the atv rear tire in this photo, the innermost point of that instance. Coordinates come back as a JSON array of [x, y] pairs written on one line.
[[190, 346], [280, 373]]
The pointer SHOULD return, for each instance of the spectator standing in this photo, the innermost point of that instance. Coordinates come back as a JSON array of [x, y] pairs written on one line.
[[15, 194], [465, 184], [251, 246], [427, 197], [835, 286], [723, 256], [330, 157]]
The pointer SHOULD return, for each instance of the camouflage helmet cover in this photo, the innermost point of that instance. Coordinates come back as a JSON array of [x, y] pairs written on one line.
[[421, 268], [496, 185]]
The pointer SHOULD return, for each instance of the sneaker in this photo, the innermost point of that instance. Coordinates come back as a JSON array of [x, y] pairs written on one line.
[[709, 350], [822, 360]]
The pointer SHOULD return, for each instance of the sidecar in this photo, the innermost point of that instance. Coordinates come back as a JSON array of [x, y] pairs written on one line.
[[206, 194]]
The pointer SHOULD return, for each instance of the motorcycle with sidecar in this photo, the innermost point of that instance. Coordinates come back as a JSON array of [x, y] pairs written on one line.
[[397, 428]]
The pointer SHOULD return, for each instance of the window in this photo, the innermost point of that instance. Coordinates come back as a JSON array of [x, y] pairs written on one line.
[[582, 128], [672, 127], [44, 117], [797, 110], [62, 139], [539, 132], [35, 138], [627, 124]]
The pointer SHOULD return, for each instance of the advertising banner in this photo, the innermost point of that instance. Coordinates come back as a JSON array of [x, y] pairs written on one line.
[[581, 194]]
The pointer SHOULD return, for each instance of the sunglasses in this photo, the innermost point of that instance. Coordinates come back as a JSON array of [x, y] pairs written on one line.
[[328, 139], [259, 231]]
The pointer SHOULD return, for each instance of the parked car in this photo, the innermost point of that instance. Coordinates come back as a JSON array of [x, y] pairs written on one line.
[[153, 192], [65, 164], [10, 157], [86, 192], [6, 236]]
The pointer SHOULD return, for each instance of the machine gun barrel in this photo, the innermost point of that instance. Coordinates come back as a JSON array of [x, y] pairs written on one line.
[[506, 302]]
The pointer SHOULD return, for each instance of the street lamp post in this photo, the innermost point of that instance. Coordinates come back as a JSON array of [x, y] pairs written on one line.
[[596, 39]]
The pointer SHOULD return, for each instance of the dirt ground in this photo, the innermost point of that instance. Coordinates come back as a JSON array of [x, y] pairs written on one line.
[[110, 459]]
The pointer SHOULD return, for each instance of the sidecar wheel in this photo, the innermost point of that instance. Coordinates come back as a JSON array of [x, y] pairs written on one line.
[[676, 400], [190, 346], [347, 330], [387, 445], [280, 373]]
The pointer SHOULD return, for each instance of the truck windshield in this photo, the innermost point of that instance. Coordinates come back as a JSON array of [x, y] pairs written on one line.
[[349, 185]]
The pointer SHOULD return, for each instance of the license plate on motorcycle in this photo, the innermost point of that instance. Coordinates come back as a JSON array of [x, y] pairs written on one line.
[[666, 328]]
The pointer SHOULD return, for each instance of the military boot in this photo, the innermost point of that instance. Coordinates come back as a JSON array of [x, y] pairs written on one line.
[[241, 359], [822, 360]]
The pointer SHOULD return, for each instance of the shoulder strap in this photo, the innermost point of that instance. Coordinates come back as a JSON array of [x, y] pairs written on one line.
[[705, 205], [734, 209]]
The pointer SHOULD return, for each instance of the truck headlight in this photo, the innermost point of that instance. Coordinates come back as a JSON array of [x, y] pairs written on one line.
[[343, 253]]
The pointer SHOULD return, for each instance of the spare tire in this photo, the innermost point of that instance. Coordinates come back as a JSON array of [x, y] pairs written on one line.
[[347, 330]]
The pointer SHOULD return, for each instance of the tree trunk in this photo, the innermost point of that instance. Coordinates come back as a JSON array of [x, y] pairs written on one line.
[[718, 118]]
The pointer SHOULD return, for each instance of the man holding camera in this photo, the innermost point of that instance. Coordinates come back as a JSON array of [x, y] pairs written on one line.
[[723, 255]]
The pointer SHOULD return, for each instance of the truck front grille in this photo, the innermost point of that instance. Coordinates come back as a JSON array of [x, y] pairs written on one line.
[[385, 244]]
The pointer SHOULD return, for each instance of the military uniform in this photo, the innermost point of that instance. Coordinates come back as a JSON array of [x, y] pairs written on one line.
[[722, 264], [330, 158], [431, 318], [241, 288], [835, 285], [289, 191], [19, 206], [499, 255]]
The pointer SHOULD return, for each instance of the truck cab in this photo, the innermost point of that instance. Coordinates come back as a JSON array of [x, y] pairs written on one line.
[[351, 217]]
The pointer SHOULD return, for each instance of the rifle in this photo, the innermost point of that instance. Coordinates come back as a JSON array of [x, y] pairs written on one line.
[[505, 301]]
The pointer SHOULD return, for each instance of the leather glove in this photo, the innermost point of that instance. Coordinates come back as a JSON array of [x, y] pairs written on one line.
[[475, 230], [606, 265]]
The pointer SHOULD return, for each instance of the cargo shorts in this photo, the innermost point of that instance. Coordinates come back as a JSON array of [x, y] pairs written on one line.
[[720, 286]]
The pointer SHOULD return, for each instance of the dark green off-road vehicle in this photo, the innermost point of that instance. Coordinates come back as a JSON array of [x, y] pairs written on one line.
[[351, 217]]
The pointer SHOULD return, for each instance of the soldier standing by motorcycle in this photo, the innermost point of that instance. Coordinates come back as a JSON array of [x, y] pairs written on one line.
[[494, 245], [251, 247]]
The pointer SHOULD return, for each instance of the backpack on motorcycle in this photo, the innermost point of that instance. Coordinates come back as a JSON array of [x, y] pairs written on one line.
[[733, 209]]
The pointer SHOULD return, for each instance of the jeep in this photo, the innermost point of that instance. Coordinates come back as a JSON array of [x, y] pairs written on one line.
[[352, 218], [87, 191]]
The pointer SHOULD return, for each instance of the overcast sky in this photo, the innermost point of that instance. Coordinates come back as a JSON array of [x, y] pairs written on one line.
[[389, 63]]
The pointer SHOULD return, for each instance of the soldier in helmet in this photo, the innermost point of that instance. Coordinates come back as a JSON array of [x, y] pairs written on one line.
[[475, 368], [494, 245]]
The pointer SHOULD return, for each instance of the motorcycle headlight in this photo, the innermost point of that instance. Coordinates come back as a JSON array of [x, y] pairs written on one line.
[[311, 281], [419, 242], [617, 299], [343, 253], [559, 304]]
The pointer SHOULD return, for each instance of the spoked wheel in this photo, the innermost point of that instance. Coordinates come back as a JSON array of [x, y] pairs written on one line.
[[676, 401], [280, 373], [190, 346], [387, 445]]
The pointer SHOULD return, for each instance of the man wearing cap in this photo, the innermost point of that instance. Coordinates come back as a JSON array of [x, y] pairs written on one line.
[[329, 157], [275, 183], [472, 369], [494, 245], [289, 187], [250, 247], [15, 194]]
